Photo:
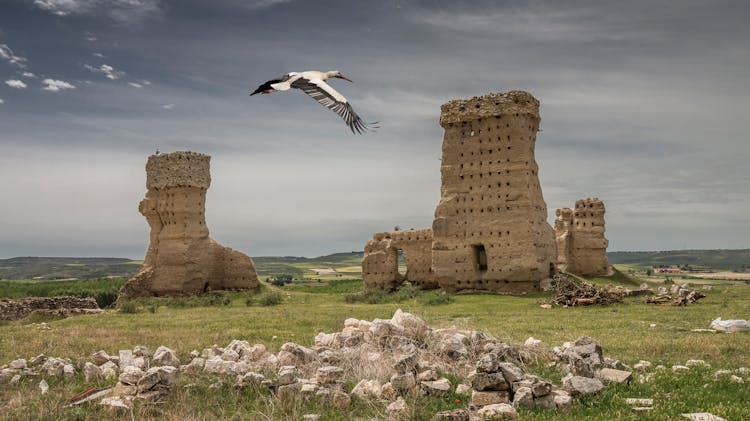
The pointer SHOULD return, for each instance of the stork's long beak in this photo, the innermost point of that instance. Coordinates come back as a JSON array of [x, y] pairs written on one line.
[[344, 77]]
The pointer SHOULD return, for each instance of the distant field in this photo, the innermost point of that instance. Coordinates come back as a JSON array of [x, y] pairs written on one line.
[[725, 260]]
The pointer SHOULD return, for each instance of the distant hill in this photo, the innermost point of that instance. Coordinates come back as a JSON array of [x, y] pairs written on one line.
[[101, 267], [732, 260]]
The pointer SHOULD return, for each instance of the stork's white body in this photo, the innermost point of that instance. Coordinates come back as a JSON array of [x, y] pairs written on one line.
[[313, 76], [312, 83]]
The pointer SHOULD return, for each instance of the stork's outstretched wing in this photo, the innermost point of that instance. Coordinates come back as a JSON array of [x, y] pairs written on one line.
[[331, 99]]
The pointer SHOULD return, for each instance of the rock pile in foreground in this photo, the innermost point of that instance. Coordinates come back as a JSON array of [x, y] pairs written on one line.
[[388, 359]]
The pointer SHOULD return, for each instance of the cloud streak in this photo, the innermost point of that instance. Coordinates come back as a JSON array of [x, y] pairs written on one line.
[[15, 83], [8, 55], [53, 85]]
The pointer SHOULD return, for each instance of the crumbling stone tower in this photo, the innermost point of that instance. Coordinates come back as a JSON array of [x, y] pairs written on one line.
[[181, 258], [581, 245], [490, 230]]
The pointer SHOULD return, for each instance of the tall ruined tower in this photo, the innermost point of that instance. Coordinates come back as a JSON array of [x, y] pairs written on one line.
[[582, 247], [181, 257], [490, 230]]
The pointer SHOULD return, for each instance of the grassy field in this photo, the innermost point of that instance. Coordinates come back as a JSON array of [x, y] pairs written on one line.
[[624, 330]]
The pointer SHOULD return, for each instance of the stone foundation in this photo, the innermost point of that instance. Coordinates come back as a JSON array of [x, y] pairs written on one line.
[[56, 306]]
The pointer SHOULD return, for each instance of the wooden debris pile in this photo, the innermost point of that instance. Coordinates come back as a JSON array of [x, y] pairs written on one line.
[[682, 297], [570, 292]]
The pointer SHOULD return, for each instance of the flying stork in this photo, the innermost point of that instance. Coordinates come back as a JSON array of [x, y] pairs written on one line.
[[313, 83]]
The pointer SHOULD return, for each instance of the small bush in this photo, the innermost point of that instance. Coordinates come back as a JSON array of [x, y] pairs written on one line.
[[436, 298], [270, 298], [128, 307], [368, 296], [380, 296]]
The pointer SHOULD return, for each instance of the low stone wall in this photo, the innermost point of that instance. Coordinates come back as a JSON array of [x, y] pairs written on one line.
[[58, 306]]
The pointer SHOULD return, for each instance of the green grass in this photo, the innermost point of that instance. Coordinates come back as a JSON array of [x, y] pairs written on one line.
[[623, 330], [617, 278], [104, 291]]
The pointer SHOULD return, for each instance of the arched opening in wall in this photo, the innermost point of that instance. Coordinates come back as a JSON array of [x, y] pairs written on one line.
[[552, 270], [401, 263], [480, 257]]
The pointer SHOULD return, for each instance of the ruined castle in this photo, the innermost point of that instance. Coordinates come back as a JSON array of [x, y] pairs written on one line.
[[490, 231], [579, 232], [181, 258]]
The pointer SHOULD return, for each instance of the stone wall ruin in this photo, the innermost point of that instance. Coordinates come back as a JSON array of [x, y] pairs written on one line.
[[182, 259], [380, 264], [490, 231], [579, 232]]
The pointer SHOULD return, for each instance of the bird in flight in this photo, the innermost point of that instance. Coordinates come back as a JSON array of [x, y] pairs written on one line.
[[313, 84]]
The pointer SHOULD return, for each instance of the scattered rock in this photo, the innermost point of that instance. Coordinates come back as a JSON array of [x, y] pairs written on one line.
[[702, 416], [609, 375], [116, 402], [403, 383], [639, 401], [578, 385], [43, 387], [736, 379], [311, 417], [437, 388], [462, 389], [488, 381], [249, 379], [642, 365], [368, 389], [480, 399], [329, 374], [99, 357], [91, 372], [523, 398], [19, 364], [397, 407], [287, 375], [680, 368], [166, 356], [130, 375], [498, 412], [452, 415], [696, 363]]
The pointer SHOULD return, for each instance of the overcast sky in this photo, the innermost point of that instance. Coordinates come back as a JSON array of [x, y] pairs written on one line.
[[644, 105]]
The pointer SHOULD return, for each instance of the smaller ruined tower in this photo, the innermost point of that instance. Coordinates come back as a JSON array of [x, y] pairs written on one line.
[[182, 259], [581, 245]]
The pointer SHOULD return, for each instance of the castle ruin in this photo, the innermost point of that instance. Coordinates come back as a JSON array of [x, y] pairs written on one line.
[[579, 232], [182, 259], [490, 231]]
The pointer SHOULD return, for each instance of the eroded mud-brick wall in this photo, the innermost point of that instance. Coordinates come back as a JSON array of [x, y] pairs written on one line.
[[582, 247], [181, 258]]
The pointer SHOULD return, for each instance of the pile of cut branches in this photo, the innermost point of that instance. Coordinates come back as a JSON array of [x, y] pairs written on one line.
[[570, 292], [682, 299]]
